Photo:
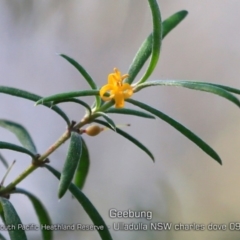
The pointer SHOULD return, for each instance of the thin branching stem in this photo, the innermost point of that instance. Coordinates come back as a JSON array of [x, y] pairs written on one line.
[[65, 136]]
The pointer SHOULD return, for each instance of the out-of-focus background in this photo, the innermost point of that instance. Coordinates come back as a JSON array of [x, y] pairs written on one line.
[[184, 185]]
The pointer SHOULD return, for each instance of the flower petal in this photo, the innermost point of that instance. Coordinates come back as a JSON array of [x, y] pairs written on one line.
[[119, 100], [125, 76], [116, 89], [117, 73], [112, 79], [104, 90], [127, 90]]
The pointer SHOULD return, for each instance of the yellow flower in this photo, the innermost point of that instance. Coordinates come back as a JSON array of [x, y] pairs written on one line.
[[116, 89]]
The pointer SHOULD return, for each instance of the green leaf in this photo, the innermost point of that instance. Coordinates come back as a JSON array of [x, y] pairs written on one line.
[[171, 22], [2, 215], [83, 167], [87, 205], [12, 219], [33, 97], [21, 133], [41, 212], [127, 111], [156, 39], [3, 160], [70, 165], [106, 105], [129, 137], [107, 118], [192, 85], [145, 50], [186, 132], [85, 74], [76, 101], [67, 95], [10, 146], [227, 88]]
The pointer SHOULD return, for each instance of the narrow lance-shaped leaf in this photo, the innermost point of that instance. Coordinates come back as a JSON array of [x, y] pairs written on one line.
[[108, 119], [227, 88], [186, 132], [12, 220], [2, 214], [3, 160], [85, 74], [33, 97], [129, 137], [156, 39], [106, 105], [171, 22], [88, 207], [145, 50], [10, 146], [83, 167], [127, 111], [70, 165], [41, 212], [20, 132], [66, 95], [75, 101], [192, 85]]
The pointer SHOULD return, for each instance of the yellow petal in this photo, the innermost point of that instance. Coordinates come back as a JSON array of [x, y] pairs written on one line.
[[127, 90], [117, 72], [125, 76], [119, 100], [112, 79], [116, 88], [104, 90]]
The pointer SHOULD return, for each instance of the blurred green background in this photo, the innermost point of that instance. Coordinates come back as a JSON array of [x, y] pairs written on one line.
[[184, 185]]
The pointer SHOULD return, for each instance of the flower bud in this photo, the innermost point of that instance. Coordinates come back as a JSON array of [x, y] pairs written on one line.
[[93, 130]]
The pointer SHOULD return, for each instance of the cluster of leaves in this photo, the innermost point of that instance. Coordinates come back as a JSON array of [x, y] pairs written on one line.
[[75, 169]]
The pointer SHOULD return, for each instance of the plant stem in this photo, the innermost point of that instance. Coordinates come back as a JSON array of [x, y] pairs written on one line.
[[105, 106], [66, 135]]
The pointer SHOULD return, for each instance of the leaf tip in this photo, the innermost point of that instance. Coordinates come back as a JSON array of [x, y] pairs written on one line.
[[218, 159], [60, 195], [152, 157], [62, 55], [220, 162]]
